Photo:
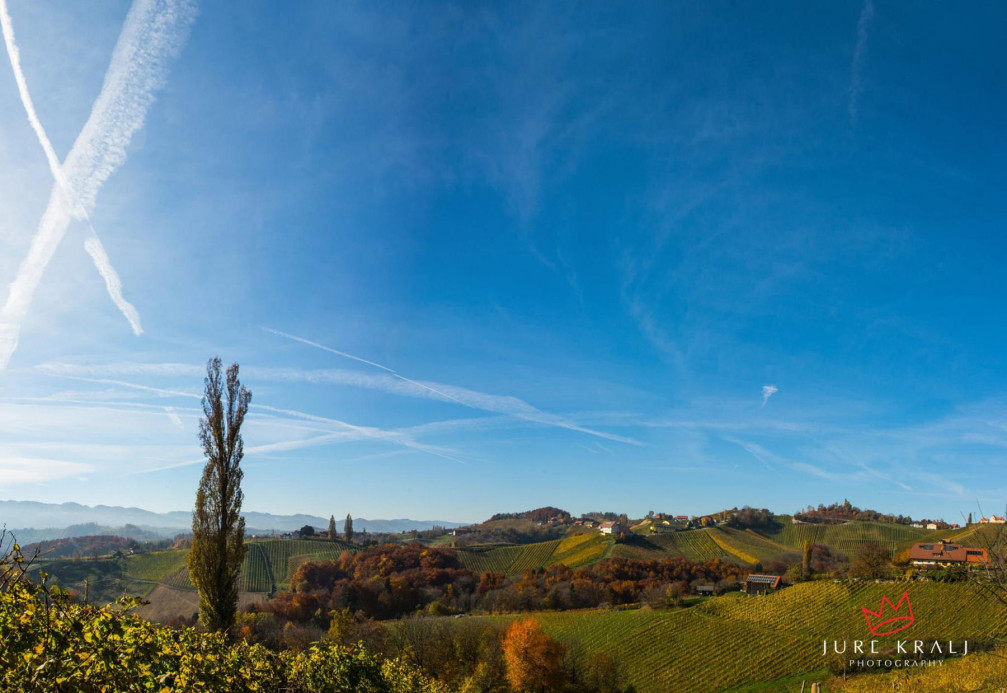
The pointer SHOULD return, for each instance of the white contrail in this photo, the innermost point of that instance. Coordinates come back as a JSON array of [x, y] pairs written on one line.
[[859, 56], [93, 244], [357, 358], [467, 398], [113, 284], [152, 34], [302, 340]]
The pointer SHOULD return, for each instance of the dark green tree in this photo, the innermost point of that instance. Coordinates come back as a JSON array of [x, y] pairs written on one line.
[[348, 528], [872, 561], [218, 530], [332, 527]]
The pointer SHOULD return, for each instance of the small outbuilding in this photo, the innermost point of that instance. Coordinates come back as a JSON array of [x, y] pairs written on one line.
[[761, 584]]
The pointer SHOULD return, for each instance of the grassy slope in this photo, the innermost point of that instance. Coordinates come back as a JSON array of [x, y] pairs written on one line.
[[735, 641]]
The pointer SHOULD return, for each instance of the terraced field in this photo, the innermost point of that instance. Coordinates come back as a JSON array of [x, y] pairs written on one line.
[[942, 610], [155, 566], [748, 546], [257, 575], [847, 538], [580, 550], [573, 551], [696, 545], [497, 559], [732, 641], [534, 556], [285, 556]]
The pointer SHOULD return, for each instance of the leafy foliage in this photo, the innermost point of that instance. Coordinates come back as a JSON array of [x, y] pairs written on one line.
[[845, 511], [537, 515], [218, 530], [534, 660], [49, 643]]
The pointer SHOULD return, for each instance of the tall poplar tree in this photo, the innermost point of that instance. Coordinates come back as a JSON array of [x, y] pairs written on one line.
[[348, 528], [332, 527], [218, 530]]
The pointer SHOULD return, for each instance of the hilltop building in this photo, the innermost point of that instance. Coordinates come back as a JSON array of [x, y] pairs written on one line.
[[944, 553], [610, 527]]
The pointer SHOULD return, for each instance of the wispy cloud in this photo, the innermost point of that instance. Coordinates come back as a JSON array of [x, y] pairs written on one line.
[[394, 383], [133, 386], [757, 451], [859, 57], [353, 432], [125, 368], [767, 392], [152, 35], [93, 244], [357, 358], [24, 470]]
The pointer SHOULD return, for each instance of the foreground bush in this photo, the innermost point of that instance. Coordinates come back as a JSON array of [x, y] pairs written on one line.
[[50, 643]]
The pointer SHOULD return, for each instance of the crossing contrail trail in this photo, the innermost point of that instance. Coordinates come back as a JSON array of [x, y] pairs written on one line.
[[152, 34], [93, 244]]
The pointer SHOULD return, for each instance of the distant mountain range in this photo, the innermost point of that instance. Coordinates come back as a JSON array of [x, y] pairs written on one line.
[[57, 520]]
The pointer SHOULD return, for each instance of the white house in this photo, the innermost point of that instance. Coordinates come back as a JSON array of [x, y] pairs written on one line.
[[610, 527]]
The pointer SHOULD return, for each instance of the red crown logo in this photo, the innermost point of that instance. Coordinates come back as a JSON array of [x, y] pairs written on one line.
[[891, 622]]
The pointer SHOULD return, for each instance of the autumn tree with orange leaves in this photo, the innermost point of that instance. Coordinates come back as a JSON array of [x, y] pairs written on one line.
[[534, 660]]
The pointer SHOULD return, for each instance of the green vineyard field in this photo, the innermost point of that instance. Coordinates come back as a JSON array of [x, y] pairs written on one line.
[[749, 546], [847, 538], [695, 545], [267, 568], [573, 551], [155, 566], [734, 640]]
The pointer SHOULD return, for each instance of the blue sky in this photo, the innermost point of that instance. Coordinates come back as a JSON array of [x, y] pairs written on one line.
[[575, 243]]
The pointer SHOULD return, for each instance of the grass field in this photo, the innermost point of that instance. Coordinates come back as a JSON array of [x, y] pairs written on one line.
[[762, 643]]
